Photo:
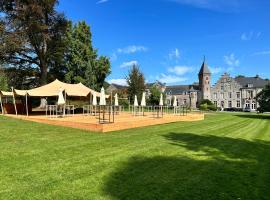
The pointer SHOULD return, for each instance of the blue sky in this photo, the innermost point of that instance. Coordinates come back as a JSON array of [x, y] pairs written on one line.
[[168, 38]]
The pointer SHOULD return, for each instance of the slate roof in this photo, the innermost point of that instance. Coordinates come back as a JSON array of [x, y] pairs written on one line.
[[256, 81], [204, 69], [179, 89]]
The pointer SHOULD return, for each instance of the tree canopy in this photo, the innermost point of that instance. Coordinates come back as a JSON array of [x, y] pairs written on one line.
[[32, 35], [263, 99], [136, 83], [154, 97], [3, 80], [81, 59]]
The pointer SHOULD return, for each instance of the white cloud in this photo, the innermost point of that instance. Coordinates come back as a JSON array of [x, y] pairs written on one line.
[[215, 70], [131, 49], [118, 81], [129, 64], [247, 36], [216, 5], [231, 60], [168, 79], [174, 54], [102, 1], [250, 35], [180, 70], [261, 53]]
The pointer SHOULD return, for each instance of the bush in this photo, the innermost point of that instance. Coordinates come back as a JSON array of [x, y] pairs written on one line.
[[203, 107], [206, 104], [206, 101], [233, 109], [212, 107], [124, 103]]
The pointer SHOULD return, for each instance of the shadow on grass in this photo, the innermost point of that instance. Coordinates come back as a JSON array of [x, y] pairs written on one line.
[[219, 168], [254, 116]]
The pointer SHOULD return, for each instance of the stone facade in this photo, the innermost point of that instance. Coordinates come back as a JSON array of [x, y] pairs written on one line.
[[227, 93], [239, 92], [186, 95]]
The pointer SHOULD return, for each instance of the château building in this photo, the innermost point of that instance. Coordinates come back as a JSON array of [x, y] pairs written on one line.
[[227, 93]]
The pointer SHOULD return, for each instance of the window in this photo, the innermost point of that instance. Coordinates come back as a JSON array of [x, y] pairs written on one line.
[[215, 103], [215, 95], [249, 94], [222, 95], [230, 95], [253, 106], [238, 104], [207, 78], [222, 87], [230, 104], [247, 105], [238, 95]]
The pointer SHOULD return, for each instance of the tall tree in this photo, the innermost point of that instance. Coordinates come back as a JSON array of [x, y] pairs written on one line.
[[136, 83], [263, 99], [82, 61], [32, 34]]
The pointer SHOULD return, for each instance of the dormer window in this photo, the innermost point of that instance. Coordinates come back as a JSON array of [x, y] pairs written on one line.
[[250, 85]]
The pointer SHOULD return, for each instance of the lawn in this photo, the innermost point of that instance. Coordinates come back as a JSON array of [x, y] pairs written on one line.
[[226, 156]]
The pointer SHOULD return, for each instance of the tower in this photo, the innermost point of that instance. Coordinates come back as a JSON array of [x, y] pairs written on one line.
[[205, 81]]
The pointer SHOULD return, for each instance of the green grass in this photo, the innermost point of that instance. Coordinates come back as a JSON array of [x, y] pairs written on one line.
[[226, 156]]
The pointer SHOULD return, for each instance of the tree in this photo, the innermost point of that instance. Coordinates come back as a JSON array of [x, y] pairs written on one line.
[[154, 97], [206, 104], [81, 59], [21, 78], [3, 80], [136, 83], [101, 71], [206, 101], [32, 35], [263, 99]]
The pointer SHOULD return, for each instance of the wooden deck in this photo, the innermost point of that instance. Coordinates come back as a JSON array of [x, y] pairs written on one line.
[[123, 121]]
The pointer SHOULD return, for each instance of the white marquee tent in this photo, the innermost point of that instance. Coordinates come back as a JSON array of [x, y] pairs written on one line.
[[50, 90]]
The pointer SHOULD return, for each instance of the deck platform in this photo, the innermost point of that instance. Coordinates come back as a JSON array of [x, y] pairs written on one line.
[[123, 121]]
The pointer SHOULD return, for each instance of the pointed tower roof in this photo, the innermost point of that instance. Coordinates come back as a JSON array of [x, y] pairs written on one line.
[[204, 68]]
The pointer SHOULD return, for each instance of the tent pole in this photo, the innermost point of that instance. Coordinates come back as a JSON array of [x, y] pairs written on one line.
[[111, 98], [90, 98], [2, 109], [65, 104], [14, 101], [26, 99]]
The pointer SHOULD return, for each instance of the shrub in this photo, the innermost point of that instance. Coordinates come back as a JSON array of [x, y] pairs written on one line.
[[212, 107], [203, 107]]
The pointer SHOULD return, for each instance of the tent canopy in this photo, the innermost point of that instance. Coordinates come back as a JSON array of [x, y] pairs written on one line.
[[6, 94], [52, 89]]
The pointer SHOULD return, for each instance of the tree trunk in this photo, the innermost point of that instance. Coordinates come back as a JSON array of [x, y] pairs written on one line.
[[44, 73], [43, 81]]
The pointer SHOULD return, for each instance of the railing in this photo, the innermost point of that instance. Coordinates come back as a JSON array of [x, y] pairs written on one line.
[[54, 111]]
